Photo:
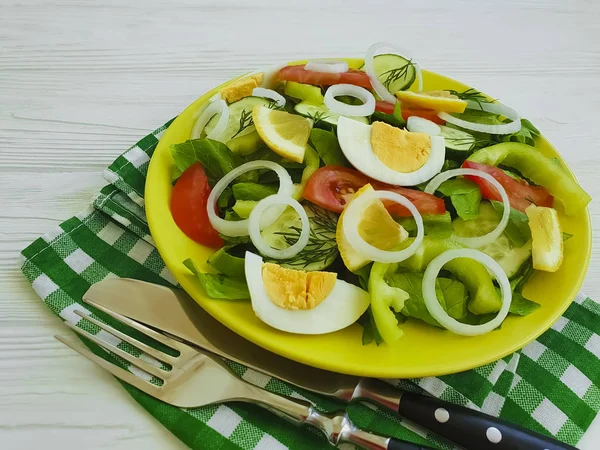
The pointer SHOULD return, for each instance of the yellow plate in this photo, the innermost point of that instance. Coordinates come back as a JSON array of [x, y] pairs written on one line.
[[424, 350]]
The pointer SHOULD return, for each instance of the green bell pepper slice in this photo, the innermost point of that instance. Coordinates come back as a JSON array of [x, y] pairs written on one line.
[[311, 165], [540, 169], [384, 297]]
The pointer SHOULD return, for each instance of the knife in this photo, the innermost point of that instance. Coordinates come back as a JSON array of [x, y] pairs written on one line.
[[175, 313]]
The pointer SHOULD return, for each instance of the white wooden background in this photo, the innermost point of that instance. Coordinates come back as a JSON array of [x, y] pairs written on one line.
[[82, 80]]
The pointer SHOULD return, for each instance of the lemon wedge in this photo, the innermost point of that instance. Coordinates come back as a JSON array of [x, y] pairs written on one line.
[[284, 133], [547, 248], [436, 100], [377, 227]]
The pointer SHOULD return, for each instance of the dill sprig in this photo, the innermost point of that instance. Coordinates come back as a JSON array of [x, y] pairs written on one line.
[[274, 105], [473, 95], [245, 122], [394, 75], [321, 246], [318, 116], [476, 143]]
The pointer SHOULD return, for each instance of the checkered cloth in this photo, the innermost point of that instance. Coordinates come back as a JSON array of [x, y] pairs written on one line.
[[551, 386]]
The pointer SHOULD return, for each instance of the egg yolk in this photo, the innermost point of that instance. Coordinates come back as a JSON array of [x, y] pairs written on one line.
[[296, 289], [398, 149]]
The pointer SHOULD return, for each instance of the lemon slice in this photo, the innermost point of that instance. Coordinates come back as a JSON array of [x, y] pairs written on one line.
[[286, 134], [547, 248], [436, 100], [376, 227]]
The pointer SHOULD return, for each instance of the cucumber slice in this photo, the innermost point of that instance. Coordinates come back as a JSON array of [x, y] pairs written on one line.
[[510, 257], [321, 250], [240, 118], [395, 72], [322, 113], [458, 140]]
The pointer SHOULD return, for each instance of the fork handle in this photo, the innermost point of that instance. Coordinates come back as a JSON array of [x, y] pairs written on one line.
[[470, 429], [337, 428]]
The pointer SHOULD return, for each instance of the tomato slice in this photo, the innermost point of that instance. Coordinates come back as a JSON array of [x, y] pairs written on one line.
[[188, 207], [520, 193], [388, 108], [301, 75], [332, 187]]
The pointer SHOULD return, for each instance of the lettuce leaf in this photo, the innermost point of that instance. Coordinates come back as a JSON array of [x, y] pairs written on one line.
[[452, 295], [227, 264], [517, 230], [328, 148], [219, 286], [465, 196], [214, 156]]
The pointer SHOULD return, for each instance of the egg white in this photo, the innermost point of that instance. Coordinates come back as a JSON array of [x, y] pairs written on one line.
[[341, 308], [355, 141]]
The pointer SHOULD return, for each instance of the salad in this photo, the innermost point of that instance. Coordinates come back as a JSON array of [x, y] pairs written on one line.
[[338, 192]]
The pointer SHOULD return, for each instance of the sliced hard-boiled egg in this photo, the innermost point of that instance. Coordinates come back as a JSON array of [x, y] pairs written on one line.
[[547, 246], [302, 302], [436, 100], [241, 88], [389, 154]]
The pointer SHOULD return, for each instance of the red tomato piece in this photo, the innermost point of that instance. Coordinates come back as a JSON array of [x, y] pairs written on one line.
[[332, 187], [520, 193], [300, 75], [388, 108], [188, 207]]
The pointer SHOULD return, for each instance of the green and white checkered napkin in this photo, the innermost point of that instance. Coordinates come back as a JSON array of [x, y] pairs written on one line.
[[551, 386]]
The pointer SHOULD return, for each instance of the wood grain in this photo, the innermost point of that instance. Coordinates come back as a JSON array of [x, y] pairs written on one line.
[[81, 81]]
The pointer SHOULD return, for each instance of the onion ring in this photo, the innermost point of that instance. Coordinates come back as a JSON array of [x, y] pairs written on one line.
[[254, 227], [327, 66], [418, 124], [366, 109], [370, 69], [479, 241], [355, 210], [438, 313], [270, 94], [214, 107], [495, 108], [240, 227]]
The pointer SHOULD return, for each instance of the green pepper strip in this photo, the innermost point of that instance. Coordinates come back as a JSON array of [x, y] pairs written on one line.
[[538, 168], [311, 164], [384, 297]]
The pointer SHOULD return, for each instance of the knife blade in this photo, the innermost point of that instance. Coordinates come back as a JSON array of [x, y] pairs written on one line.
[[174, 312]]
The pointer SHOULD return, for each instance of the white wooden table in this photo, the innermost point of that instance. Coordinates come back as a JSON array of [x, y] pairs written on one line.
[[81, 81]]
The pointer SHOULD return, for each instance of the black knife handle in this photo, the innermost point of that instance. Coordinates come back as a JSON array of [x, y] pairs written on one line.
[[471, 429], [395, 444]]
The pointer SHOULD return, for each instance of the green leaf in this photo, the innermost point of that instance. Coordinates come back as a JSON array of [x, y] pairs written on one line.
[[455, 297], [465, 196], [436, 225], [517, 230], [328, 148], [252, 191], [229, 265], [452, 295], [219, 286], [521, 306], [363, 276], [526, 135], [214, 156], [370, 332], [389, 119]]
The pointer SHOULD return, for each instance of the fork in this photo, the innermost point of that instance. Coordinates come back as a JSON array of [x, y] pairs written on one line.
[[198, 379]]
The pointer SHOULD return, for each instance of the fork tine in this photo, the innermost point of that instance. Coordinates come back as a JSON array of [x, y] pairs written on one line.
[[169, 342], [122, 374], [144, 365], [124, 337]]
